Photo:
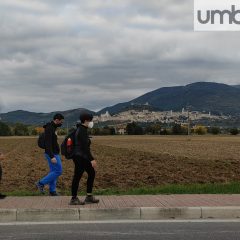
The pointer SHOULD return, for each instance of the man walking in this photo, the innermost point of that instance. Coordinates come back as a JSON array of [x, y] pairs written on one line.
[[52, 155], [2, 196], [83, 161]]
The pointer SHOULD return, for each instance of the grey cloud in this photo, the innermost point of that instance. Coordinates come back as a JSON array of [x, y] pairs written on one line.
[[66, 54]]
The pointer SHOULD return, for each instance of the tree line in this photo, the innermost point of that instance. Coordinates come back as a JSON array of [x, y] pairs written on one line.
[[133, 128], [177, 129]]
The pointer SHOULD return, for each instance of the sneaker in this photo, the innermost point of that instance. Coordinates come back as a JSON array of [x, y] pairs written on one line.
[[91, 199], [2, 196], [40, 187], [54, 194], [76, 201]]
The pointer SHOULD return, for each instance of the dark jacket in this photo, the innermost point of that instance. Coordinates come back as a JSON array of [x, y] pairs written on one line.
[[51, 144], [82, 147], [0, 172]]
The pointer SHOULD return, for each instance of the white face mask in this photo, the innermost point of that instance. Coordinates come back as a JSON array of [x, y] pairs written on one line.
[[90, 125]]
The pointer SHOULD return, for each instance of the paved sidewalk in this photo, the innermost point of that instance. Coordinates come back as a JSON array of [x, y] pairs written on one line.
[[121, 207], [129, 201]]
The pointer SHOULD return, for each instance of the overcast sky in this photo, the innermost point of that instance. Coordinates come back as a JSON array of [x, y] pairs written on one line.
[[59, 55]]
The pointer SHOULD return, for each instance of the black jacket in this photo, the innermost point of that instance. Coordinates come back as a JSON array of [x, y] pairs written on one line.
[[82, 147], [0, 172], [51, 144]]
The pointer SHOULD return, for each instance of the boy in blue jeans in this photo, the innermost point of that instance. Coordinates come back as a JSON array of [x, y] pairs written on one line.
[[52, 154]]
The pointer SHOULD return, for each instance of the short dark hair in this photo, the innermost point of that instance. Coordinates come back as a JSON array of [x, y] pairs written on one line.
[[85, 116], [58, 116]]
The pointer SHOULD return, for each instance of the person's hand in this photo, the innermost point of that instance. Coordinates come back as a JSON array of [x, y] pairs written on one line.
[[94, 164], [53, 160], [1, 156]]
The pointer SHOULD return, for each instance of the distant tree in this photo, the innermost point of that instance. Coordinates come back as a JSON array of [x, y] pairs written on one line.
[[5, 129], [62, 132], [39, 130], [20, 130], [95, 131], [234, 131], [112, 131], [184, 130], [106, 130], [134, 129], [165, 132], [139, 130], [131, 128], [177, 129], [215, 130], [71, 129], [34, 132], [200, 130], [153, 129], [148, 129]]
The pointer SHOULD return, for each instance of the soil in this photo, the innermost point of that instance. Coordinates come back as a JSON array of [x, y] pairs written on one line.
[[126, 162]]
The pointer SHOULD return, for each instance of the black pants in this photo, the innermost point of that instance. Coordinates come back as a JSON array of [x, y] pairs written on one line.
[[0, 172], [82, 165]]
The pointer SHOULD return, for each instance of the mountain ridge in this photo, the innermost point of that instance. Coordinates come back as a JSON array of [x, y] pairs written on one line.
[[217, 98], [201, 96]]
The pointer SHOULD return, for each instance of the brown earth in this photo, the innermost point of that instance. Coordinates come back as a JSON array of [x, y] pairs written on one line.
[[130, 161]]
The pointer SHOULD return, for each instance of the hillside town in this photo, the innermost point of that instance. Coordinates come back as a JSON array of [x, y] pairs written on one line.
[[119, 121], [146, 116]]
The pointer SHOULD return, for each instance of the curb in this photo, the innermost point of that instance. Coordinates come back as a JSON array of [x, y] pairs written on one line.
[[142, 213]]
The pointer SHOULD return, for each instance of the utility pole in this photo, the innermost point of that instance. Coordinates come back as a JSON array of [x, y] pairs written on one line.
[[189, 121]]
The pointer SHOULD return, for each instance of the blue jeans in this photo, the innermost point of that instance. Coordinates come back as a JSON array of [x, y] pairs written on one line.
[[55, 172]]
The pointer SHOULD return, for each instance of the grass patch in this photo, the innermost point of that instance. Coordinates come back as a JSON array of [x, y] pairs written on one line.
[[23, 193], [229, 188], [218, 188]]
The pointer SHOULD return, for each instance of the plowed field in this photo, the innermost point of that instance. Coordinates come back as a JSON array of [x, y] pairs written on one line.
[[130, 161]]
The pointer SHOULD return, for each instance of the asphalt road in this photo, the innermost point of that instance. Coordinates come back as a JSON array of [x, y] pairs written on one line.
[[124, 230]]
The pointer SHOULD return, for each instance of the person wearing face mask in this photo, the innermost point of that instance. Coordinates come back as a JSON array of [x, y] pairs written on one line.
[[52, 155], [2, 196], [83, 160]]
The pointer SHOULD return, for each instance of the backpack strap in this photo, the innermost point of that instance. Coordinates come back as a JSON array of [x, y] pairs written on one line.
[[76, 136]]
